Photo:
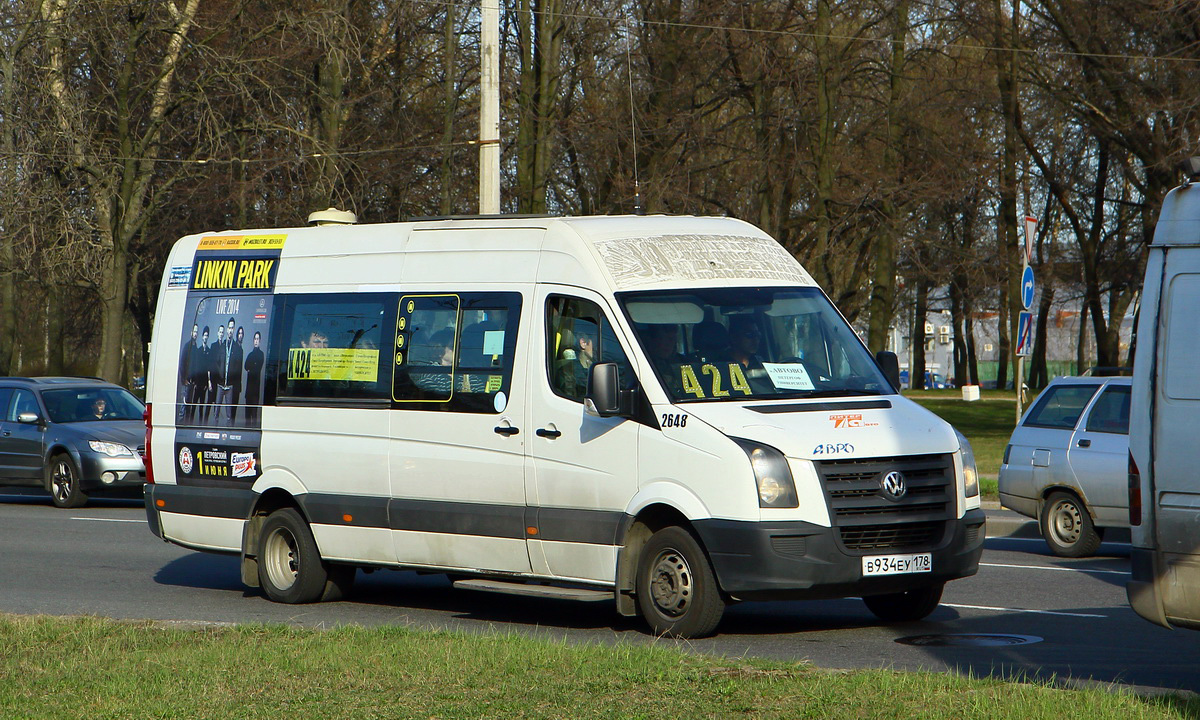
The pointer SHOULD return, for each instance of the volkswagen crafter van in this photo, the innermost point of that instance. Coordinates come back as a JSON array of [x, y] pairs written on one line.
[[665, 411]]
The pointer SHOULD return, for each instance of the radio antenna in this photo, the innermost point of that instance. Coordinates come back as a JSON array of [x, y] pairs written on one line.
[[637, 187]]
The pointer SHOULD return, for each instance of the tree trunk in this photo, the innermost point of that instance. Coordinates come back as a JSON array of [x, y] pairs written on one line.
[[1090, 256], [916, 374], [883, 287], [1038, 371], [823, 201], [449, 107], [959, 355], [539, 36], [972, 355], [1081, 357], [1006, 78]]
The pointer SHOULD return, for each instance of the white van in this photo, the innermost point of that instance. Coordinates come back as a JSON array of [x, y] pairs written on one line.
[[1164, 489], [666, 411]]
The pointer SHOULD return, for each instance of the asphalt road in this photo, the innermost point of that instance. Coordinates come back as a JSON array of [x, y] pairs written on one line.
[[102, 560]]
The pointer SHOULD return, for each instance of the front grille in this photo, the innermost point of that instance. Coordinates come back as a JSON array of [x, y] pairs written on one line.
[[867, 519]]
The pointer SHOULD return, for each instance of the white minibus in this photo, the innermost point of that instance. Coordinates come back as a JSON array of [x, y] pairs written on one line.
[[665, 411]]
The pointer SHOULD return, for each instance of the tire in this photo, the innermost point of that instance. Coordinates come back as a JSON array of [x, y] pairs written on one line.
[[1067, 526], [64, 482], [907, 606], [677, 592], [290, 569]]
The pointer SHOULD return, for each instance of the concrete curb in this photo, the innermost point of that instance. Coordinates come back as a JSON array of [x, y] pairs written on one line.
[[1002, 522], [1006, 523]]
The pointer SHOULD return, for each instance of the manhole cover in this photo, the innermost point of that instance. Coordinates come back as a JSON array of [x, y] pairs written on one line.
[[969, 640]]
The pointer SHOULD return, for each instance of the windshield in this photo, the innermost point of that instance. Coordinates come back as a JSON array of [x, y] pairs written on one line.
[[92, 404], [751, 344]]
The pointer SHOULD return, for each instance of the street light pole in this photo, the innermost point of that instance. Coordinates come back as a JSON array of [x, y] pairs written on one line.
[[489, 109]]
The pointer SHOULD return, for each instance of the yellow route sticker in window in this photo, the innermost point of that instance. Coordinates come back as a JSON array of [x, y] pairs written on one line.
[[352, 364]]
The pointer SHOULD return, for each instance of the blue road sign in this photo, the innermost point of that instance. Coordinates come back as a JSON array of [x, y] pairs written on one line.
[[1027, 287], [1025, 334]]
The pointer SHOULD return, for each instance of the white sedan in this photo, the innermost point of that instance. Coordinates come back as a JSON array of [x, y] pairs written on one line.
[[1067, 462]]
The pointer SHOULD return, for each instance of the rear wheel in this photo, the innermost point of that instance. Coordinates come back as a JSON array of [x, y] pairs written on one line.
[[1067, 526], [290, 569], [905, 606], [66, 490], [676, 589]]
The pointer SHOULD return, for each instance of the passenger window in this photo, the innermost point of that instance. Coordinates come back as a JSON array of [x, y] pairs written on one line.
[[5, 395], [578, 335], [1110, 414], [455, 351], [22, 402], [1060, 406], [331, 347]]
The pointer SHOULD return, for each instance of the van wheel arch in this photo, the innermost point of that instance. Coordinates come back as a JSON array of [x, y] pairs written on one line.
[[638, 531], [267, 503]]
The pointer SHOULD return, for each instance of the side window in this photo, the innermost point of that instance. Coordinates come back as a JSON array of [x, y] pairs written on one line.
[[1181, 381], [5, 396], [1060, 406], [1110, 414], [331, 347], [578, 335], [455, 351], [23, 402]]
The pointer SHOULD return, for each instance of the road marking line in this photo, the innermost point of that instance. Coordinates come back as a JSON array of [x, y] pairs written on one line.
[[1024, 610], [1048, 567], [108, 520]]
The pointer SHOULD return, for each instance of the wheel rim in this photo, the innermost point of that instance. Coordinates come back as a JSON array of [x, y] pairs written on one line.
[[671, 583], [1066, 522], [62, 479], [281, 558]]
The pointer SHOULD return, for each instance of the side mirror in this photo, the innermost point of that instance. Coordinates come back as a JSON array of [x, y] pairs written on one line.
[[28, 418], [890, 365], [604, 394]]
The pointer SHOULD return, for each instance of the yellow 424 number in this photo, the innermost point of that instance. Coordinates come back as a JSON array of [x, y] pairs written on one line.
[[692, 386]]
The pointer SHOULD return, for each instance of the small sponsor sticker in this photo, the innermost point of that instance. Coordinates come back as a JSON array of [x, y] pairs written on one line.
[[185, 460], [849, 420], [212, 436], [180, 276], [242, 464]]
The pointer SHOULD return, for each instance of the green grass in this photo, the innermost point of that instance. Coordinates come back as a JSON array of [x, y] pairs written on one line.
[[988, 424], [82, 667]]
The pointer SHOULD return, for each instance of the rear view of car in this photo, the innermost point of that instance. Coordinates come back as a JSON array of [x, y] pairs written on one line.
[[1066, 464]]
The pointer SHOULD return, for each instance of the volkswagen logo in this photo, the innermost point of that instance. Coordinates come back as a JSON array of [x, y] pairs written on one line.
[[893, 485]]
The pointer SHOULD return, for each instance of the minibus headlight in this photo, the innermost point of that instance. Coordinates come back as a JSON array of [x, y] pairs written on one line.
[[970, 474], [776, 489], [110, 449]]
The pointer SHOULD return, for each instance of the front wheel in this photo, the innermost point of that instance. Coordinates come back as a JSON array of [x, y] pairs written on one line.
[[290, 569], [676, 589], [906, 606], [66, 488], [1067, 526]]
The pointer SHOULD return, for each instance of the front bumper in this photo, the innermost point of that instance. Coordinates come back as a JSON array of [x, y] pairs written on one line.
[[101, 471], [799, 560]]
